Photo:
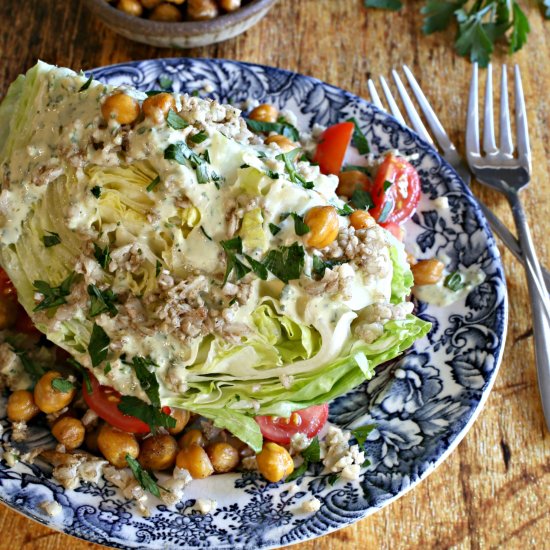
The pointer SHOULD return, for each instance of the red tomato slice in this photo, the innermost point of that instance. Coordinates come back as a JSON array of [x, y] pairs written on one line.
[[6, 286], [397, 202], [332, 148], [307, 421], [104, 402]]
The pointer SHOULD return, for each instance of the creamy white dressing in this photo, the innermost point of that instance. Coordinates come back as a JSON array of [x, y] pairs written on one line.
[[441, 296]]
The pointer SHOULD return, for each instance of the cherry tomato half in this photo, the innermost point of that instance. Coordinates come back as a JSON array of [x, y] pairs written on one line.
[[307, 421], [6, 286], [332, 147], [395, 191], [104, 400]]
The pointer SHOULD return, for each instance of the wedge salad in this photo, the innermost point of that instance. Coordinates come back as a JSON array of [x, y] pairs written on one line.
[[196, 274]]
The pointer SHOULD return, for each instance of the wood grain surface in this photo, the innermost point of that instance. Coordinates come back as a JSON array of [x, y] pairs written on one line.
[[494, 489]]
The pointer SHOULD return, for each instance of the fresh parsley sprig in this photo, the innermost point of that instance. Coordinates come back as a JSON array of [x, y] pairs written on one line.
[[147, 379], [102, 301], [482, 24], [152, 416], [311, 455], [146, 479]]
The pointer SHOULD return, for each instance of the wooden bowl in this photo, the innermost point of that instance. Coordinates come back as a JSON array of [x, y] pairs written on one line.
[[187, 34]]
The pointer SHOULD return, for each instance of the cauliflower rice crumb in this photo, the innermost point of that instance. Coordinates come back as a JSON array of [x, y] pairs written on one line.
[[51, 507], [312, 505], [206, 505]]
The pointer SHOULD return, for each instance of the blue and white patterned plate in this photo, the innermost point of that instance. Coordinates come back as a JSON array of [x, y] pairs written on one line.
[[422, 405]]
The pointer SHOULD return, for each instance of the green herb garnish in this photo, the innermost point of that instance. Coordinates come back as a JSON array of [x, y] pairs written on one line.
[[51, 240], [175, 121], [313, 451], [107, 369], [53, 296], [232, 247], [290, 168], [274, 229], [320, 266], [386, 185], [358, 138], [205, 233], [165, 82], [34, 370], [345, 210], [152, 416], [96, 191], [102, 301], [84, 372], [199, 138], [259, 269], [280, 127], [454, 281], [153, 184], [298, 472], [147, 379], [332, 479], [362, 199], [182, 154], [143, 477], [362, 433], [62, 385], [86, 84], [99, 345], [158, 267], [286, 263], [357, 168], [102, 255]]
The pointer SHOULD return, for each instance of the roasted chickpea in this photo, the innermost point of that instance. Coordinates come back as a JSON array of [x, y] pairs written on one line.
[[21, 406], [156, 107], [120, 107], [360, 219], [166, 12], [48, 399], [323, 226], [69, 432], [230, 5], [196, 461], [131, 7], [274, 462], [349, 181], [223, 456], [282, 141], [264, 113], [199, 10], [115, 444], [192, 437], [427, 272], [158, 452], [182, 418], [150, 4]]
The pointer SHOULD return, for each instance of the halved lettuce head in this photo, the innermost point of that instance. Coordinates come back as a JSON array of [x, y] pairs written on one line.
[[293, 354]]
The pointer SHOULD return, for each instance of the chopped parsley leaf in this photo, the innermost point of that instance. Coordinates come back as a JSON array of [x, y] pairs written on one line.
[[175, 121], [102, 255], [290, 168], [274, 229], [96, 191], [320, 266], [345, 210], [199, 138], [454, 281], [158, 267], [286, 263], [165, 82], [51, 240], [259, 269], [281, 127], [102, 301], [358, 138], [143, 477], [182, 154], [205, 233], [386, 185], [362, 433], [86, 84], [153, 92], [34, 370], [152, 416], [147, 379], [362, 199], [300, 227], [233, 247], [62, 385], [53, 296], [313, 451], [298, 472], [99, 345], [332, 479], [107, 369], [153, 184]]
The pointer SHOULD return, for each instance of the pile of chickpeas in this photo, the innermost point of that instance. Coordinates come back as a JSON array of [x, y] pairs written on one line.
[[184, 445], [174, 11]]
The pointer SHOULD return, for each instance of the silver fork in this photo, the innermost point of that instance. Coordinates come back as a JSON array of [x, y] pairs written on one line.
[[443, 143], [507, 173]]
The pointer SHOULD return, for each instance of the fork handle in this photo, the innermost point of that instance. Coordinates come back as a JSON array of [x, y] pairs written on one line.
[[540, 305], [510, 240]]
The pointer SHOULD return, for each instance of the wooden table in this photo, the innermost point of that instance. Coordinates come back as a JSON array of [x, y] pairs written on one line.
[[493, 490]]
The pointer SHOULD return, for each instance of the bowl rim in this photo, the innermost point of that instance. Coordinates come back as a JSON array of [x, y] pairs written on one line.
[[115, 17]]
